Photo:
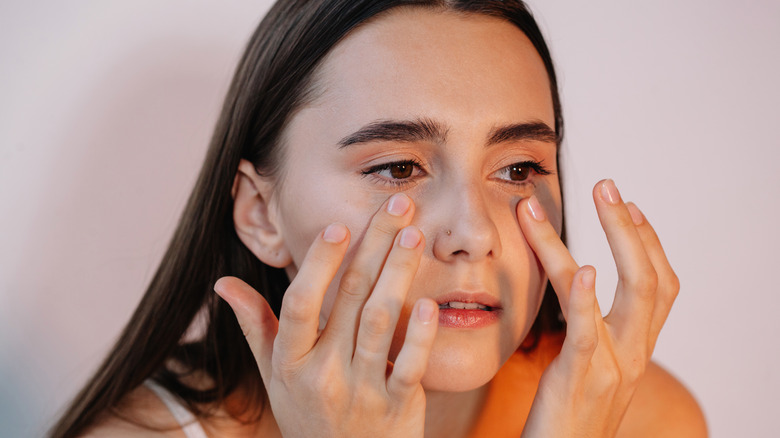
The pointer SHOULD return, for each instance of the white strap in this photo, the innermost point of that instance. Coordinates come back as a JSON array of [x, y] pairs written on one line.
[[189, 424]]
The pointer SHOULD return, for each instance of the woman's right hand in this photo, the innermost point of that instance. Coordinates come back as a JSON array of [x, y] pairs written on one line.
[[339, 381]]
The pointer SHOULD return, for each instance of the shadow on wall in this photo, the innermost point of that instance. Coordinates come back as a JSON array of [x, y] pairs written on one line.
[[118, 179]]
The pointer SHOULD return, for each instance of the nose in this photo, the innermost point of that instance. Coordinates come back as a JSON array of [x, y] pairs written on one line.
[[467, 230]]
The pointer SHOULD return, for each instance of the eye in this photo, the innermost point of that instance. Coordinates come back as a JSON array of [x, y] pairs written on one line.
[[522, 171], [396, 172]]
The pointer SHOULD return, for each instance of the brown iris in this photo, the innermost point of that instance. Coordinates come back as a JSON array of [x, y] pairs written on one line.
[[519, 173], [401, 170]]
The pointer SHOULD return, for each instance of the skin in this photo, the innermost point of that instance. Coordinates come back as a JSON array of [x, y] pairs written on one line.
[[382, 72], [358, 266]]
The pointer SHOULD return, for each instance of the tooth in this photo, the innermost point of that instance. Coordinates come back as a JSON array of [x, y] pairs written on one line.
[[467, 306]]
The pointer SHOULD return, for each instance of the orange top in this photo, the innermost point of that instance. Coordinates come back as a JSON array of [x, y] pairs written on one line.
[[512, 390]]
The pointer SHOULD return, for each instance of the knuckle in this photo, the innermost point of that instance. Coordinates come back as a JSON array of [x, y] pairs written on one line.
[[586, 344], [674, 287], [324, 382], [377, 320], [624, 220], [384, 228], [405, 379], [296, 307], [609, 379], [633, 372], [402, 264], [284, 371], [353, 284], [644, 283]]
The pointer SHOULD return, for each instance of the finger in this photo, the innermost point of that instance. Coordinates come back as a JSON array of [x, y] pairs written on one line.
[[299, 316], [548, 247], [668, 283], [581, 327], [383, 308], [412, 360], [632, 308], [362, 273], [255, 317]]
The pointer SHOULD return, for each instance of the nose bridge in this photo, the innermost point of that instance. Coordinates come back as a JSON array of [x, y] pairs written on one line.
[[468, 229]]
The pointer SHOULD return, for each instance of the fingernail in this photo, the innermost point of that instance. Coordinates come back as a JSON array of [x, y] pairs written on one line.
[[588, 279], [399, 204], [425, 311], [535, 208], [410, 237], [335, 233], [636, 215], [609, 192]]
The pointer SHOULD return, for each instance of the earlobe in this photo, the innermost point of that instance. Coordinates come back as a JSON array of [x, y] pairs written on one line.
[[255, 216]]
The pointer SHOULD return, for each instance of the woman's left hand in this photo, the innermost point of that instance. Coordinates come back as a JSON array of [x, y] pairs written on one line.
[[586, 390]]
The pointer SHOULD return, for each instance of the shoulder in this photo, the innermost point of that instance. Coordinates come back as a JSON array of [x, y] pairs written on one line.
[[662, 406], [141, 414]]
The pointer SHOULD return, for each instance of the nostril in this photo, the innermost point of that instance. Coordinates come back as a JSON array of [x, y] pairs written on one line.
[[460, 251]]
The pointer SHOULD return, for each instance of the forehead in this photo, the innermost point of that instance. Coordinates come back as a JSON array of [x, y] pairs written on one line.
[[467, 70]]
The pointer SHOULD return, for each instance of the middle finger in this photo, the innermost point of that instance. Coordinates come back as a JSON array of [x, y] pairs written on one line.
[[362, 273]]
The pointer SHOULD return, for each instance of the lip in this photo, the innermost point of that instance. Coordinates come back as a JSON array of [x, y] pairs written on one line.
[[469, 318]]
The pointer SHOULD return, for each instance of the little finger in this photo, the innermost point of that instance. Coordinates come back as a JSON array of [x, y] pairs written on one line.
[[412, 360], [668, 283]]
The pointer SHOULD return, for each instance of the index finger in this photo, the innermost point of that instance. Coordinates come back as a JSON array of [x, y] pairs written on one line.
[[548, 247], [299, 316]]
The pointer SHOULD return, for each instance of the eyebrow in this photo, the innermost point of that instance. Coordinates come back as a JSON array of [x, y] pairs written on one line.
[[424, 129], [408, 131], [533, 130]]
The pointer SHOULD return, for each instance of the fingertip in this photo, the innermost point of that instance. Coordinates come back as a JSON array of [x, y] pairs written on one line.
[[607, 191], [427, 310], [535, 209], [588, 277], [636, 214], [335, 233], [410, 237]]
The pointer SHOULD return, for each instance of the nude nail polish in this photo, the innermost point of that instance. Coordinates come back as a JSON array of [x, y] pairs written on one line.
[[636, 214], [335, 233], [399, 204], [536, 210], [410, 238], [609, 192], [425, 311]]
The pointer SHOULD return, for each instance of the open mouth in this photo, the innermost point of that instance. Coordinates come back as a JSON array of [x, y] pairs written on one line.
[[468, 310], [462, 305]]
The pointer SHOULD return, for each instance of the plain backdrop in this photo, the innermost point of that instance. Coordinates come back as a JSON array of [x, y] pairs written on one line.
[[106, 109]]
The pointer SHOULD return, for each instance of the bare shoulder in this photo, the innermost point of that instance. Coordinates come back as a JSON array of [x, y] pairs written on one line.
[[662, 407], [141, 414]]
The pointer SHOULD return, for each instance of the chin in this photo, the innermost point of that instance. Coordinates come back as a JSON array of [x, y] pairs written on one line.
[[464, 366]]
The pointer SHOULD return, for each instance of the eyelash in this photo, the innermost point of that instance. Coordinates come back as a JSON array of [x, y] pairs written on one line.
[[537, 167], [398, 182]]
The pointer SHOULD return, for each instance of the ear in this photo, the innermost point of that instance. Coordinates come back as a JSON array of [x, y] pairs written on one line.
[[254, 216]]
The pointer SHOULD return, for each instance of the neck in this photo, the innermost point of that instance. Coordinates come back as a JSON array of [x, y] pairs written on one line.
[[453, 414]]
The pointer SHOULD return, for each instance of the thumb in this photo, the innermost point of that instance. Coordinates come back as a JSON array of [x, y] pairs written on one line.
[[255, 317]]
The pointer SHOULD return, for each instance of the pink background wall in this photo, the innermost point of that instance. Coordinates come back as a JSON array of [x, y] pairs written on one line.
[[106, 109]]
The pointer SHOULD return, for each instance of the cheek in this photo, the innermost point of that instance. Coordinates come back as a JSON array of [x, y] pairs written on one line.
[[549, 197], [306, 213]]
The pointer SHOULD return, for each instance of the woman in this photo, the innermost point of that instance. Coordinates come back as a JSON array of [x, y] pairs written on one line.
[[385, 174]]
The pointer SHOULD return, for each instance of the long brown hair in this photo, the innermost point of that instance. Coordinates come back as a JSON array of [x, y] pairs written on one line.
[[272, 81]]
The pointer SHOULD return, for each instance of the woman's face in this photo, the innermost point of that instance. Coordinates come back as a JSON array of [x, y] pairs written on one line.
[[480, 81]]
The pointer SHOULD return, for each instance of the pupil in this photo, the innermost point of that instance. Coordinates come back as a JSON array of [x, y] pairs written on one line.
[[518, 173], [401, 171]]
